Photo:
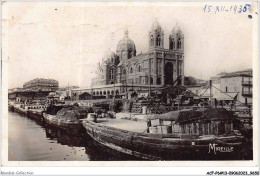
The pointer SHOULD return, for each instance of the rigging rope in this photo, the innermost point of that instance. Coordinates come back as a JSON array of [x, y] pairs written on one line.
[[204, 92], [228, 95]]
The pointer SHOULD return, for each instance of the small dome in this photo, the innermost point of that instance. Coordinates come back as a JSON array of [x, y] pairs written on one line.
[[176, 30], [108, 55], [156, 27], [125, 43]]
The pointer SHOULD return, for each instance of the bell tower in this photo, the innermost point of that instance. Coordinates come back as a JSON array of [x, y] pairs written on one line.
[[156, 36], [176, 39]]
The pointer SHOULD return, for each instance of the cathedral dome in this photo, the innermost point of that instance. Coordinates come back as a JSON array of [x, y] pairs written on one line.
[[108, 55], [156, 27], [176, 30], [125, 43]]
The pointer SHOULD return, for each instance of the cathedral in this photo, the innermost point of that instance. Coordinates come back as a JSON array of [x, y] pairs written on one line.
[[123, 70]]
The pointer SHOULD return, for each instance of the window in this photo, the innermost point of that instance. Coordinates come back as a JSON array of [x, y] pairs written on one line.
[[179, 43], [124, 72], [158, 41], [130, 53], [151, 80], [158, 81], [151, 40], [226, 89], [131, 70], [112, 73], [139, 68], [172, 44]]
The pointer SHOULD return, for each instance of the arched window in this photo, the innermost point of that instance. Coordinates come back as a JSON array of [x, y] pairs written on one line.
[[124, 71], [172, 44], [151, 40], [100, 92], [131, 70], [158, 40], [130, 53], [139, 68], [112, 73], [179, 43], [151, 80]]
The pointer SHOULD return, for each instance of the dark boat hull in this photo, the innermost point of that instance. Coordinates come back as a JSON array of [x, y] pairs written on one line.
[[73, 127], [10, 107], [20, 110], [37, 115], [160, 147]]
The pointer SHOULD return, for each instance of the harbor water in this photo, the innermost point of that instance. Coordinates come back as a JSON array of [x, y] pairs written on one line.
[[30, 140]]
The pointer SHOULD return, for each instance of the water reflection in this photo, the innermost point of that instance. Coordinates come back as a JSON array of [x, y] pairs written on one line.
[[31, 140], [63, 137], [94, 150]]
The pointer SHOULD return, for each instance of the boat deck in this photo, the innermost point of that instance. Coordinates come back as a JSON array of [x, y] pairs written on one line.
[[36, 110], [130, 125]]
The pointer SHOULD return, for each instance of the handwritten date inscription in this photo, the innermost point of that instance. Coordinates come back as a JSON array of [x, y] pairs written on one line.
[[231, 9]]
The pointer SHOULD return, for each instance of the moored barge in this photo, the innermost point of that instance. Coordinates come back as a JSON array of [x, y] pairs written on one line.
[[135, 138], [66, 117]]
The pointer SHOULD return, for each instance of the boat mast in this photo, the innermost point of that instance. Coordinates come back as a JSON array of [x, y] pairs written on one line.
[[210, 92], [149, 78], [178, 97]]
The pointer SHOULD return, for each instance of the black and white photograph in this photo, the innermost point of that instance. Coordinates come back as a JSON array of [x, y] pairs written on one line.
[[129, 82]]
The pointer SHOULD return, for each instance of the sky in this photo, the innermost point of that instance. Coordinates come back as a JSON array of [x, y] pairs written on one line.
[[65, 41]]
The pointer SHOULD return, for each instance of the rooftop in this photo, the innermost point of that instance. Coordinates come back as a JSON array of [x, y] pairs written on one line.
[[244, 73]]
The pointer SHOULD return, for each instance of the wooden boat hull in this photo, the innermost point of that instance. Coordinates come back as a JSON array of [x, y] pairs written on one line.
[[160, 146], [20, 110], [73, 127], [37, 115], [10, 107]]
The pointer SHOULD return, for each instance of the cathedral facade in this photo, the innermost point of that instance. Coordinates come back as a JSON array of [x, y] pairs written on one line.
[[123, 70]]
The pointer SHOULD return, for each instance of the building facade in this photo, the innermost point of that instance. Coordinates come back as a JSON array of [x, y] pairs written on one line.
[[239, 83], [228, 87], [123, 70], [41, 84]]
